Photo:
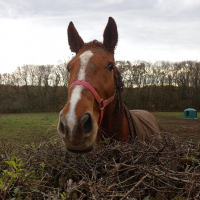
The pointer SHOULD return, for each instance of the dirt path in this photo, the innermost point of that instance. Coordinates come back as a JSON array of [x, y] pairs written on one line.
[[183, 128]]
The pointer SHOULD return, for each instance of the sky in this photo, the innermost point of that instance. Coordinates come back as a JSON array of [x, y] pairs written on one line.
[[35, 31]]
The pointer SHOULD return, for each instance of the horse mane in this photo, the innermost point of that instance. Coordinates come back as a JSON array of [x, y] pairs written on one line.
[[119, 89], [118, 81]]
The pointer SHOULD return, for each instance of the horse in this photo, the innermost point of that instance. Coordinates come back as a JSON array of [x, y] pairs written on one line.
[[95, 109]]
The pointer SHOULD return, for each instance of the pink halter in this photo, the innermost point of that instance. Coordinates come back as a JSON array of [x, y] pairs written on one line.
[[102, 103]]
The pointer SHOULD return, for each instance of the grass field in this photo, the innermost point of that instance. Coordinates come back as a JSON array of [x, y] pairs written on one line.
[[34, 127], [170, 114], [28, 127]]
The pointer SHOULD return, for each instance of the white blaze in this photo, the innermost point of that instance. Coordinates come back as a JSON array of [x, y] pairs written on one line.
[[76, 93]]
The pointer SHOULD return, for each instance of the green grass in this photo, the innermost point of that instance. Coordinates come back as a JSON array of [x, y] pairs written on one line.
[[168, 114], [28, 127], [34, 127], [171, 114]]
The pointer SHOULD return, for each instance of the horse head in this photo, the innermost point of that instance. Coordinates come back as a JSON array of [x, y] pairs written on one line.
[[91, 87]]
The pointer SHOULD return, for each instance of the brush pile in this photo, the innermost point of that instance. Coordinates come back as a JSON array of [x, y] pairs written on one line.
[[115, 170]]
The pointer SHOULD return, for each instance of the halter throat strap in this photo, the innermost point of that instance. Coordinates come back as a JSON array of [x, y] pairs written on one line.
[[102, 103]]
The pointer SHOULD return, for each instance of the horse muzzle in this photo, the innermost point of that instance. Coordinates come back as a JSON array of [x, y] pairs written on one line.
[[82, 151], [78, 135]]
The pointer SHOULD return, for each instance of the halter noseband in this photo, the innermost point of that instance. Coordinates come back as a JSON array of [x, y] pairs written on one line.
[[102, 103]]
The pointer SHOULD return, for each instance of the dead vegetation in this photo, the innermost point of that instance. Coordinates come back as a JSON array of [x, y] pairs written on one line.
[[115, 170]]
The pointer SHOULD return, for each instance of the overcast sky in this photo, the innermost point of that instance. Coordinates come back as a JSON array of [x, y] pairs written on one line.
[[35, 31]]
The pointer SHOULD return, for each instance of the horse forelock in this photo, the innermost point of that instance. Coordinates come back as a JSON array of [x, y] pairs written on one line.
[[95, 44]]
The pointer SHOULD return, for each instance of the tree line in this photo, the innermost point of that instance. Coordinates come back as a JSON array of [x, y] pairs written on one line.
[[159, 86]]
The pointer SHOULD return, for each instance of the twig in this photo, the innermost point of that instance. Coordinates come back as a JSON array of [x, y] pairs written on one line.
[[134, 187]]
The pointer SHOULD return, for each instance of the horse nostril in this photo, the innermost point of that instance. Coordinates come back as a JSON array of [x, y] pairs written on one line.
[[61, 128], [87, 123]]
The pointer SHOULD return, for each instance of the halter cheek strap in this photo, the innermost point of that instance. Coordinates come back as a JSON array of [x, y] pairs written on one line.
[[102, 103]]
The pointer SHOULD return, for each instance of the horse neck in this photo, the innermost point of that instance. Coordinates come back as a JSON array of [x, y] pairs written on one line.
[[114, 124]]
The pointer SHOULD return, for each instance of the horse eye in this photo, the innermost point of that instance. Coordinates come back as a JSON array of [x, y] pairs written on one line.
[[110, 66], [68, 69]]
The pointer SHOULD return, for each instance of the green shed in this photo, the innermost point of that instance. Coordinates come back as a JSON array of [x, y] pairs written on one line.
[[190, 113]]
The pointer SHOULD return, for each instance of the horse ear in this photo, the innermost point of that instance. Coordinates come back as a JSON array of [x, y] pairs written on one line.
[[110, 35], [74, 39]]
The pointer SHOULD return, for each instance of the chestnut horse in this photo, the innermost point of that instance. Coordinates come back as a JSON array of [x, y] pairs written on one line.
[[94, 108]]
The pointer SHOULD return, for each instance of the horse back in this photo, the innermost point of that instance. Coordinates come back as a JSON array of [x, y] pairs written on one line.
[[145, 124]]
